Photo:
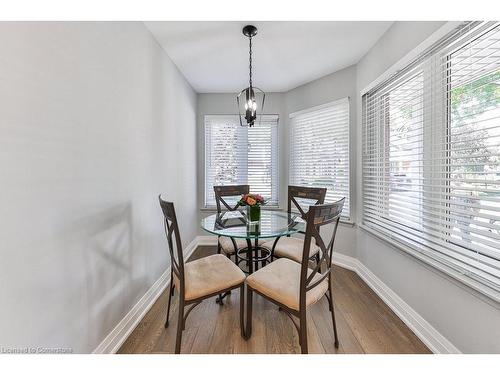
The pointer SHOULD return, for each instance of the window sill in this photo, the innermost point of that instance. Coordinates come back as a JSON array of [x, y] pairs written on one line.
[[478, 289], [347, 222]]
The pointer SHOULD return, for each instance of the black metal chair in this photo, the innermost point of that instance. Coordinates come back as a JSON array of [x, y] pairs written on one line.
[[229, 245], [291, 247], [293, 286], [199, 279]]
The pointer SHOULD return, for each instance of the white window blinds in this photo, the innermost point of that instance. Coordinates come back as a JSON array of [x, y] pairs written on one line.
[[241, 155], [319, 150], [431, 155]]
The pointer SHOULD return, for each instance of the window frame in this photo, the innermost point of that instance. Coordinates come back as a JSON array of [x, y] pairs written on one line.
[[213, 207], [481, 289]]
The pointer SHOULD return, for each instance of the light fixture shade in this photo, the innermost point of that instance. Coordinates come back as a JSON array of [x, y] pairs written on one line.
[[250, 105]]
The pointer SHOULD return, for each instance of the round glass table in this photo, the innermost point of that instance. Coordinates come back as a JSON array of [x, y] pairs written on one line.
[[235, 224]]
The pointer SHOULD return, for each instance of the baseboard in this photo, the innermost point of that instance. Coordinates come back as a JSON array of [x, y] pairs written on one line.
[[436, 342], [124, 328], [206, 240]]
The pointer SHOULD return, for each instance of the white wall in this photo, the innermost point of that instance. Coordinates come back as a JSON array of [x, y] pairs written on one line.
[[467, 320], [95, 122]]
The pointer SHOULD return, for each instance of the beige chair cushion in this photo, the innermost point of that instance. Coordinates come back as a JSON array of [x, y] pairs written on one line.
[[209, 275], [280, 281], [228, 247], [291, 248]]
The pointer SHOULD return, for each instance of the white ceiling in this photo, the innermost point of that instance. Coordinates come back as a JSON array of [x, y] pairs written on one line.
[[213, 56]]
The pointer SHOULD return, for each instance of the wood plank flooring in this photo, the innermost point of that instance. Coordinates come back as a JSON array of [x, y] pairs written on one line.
[[365, 324]]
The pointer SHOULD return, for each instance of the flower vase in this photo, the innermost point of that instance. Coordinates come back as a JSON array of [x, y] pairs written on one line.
[[253, 213]]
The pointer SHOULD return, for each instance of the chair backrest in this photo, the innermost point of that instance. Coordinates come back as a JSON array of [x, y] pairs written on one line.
[[229, 191], [171, 230], [302, 192], [317, 217]]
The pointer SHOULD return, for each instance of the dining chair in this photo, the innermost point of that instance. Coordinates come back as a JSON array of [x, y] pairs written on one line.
[[199, 279], [291, 247], [293, 286], [229, 245]]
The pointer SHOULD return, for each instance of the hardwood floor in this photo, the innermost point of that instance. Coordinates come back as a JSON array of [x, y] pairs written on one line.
[[365, 325]]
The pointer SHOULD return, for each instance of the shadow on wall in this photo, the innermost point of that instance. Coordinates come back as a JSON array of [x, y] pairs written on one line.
[[109, 273]]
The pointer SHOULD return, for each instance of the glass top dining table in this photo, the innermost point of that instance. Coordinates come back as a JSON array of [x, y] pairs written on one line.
[[235, 224]]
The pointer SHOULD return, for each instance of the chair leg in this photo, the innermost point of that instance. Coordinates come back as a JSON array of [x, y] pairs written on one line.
[[303, 332], [219, 250], [219, 300], [263, 263], [330, 300], [242, 310], [248, 329], [180, 326], [170, 294]]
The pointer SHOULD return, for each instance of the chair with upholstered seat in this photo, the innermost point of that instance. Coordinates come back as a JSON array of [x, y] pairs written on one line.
[[229, 245], [199, 279], [291, 247], [295, 286]]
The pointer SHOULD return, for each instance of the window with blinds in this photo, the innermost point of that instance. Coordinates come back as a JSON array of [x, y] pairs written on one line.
[[431, 155], [241, 155], [319, 150]]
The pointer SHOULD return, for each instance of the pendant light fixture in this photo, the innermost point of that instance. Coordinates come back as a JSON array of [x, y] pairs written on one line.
[[251, 99]]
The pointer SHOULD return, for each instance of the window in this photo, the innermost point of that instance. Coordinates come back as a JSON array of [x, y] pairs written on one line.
[[319, 150], [431, 155], [241, 155]]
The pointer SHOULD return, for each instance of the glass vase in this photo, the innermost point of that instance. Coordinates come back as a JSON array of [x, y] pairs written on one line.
[[253, 213]]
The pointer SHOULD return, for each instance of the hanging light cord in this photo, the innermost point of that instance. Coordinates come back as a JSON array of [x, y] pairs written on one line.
[[250, 59]]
